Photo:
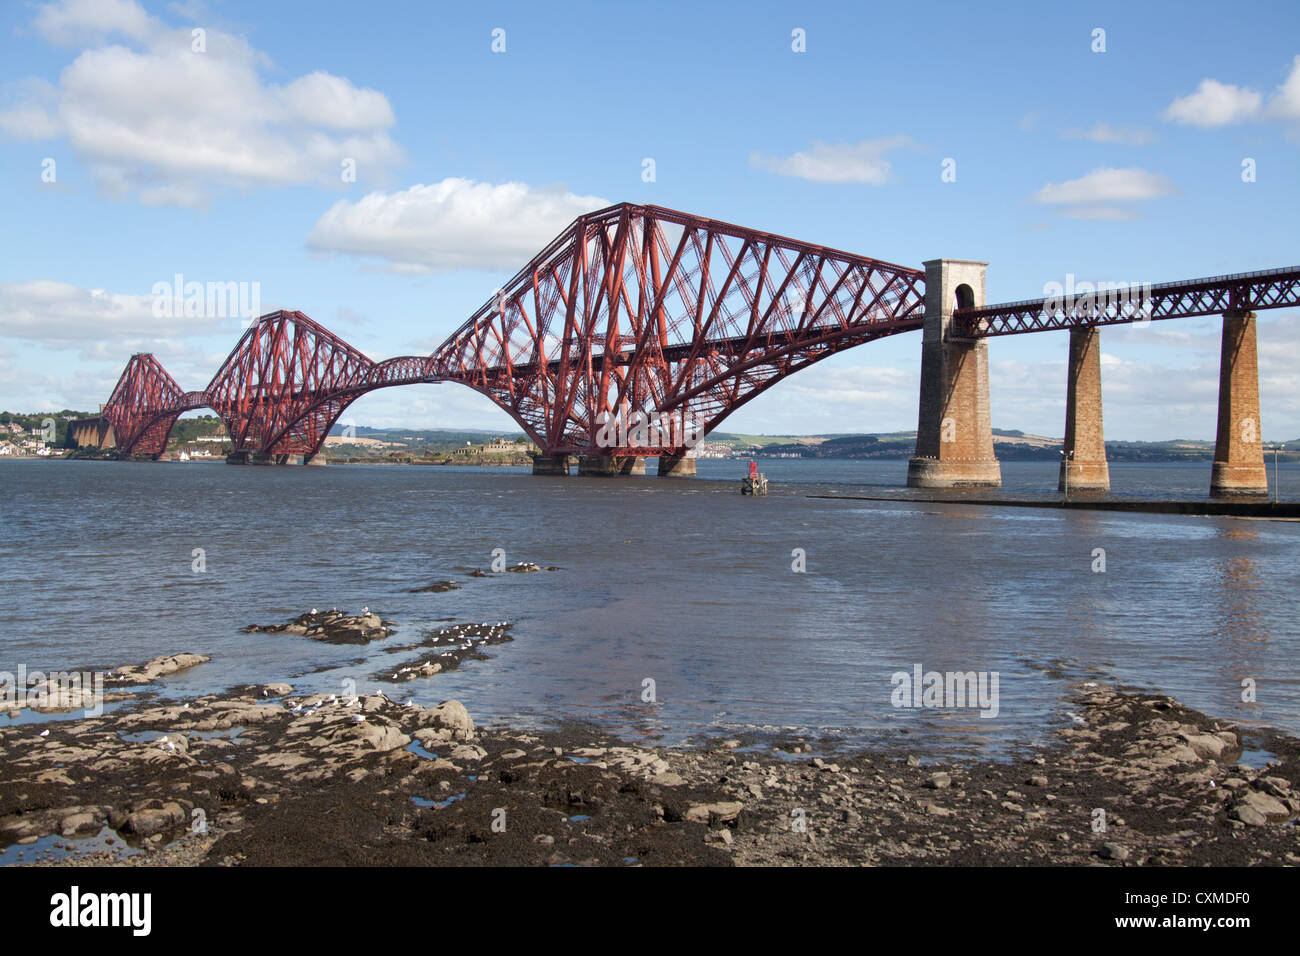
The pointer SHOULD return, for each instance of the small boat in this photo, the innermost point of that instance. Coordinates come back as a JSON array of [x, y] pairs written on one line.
[[753, 483]]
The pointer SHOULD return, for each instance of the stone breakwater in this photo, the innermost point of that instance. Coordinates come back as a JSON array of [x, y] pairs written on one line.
[[264, 777]]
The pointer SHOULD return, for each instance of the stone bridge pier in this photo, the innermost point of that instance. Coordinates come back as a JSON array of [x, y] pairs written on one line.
[[1083, 466], [954, 431], [1239, 446]]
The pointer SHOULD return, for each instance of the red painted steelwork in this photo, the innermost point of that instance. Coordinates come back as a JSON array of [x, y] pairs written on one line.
[[632, 311], [632, 308], [1244, 291]]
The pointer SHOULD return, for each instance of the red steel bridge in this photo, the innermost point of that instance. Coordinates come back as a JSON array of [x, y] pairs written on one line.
[[631, 309]]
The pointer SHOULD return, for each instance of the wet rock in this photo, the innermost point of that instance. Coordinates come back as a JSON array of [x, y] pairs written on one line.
[[1114, 851], [332, 627], [1248, 815], [714, 813], [1266, 806], [154, 820], [939, 781], [276, 690], [1206, 746], [158, 667], [449, 715], [79, 822], [437, 587]]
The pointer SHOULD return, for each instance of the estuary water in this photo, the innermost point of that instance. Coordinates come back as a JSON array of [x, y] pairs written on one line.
[[683, 583]]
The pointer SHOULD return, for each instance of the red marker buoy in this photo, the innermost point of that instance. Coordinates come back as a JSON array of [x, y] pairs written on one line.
[[753, 469]]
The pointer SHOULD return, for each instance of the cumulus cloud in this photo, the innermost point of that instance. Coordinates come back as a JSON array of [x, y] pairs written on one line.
[[1215, 104], [1285, 103], [1220, 104], [452, 224], [161, 121], [863, 162]]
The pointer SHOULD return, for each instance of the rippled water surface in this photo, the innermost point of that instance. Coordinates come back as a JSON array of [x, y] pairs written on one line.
[[684, 582]]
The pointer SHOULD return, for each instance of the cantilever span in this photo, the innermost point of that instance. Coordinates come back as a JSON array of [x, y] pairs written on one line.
[[643, 311], [631, 309]]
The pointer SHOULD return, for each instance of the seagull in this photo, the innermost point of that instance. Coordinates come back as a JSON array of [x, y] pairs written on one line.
[[45, 733], [313, 610]]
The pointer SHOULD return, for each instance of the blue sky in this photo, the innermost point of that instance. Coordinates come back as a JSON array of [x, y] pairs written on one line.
[[224, 165]]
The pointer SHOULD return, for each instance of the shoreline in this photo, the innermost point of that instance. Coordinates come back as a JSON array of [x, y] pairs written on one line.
[[260, 776]]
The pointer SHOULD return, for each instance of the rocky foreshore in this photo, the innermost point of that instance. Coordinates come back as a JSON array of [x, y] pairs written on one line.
[[262, 776]]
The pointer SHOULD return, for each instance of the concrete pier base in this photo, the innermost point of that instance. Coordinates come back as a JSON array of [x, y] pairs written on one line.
[[676, 466], [317, 460], [1085, 443], [551, 465], [1239, 446], [954, 432], [634, 466]]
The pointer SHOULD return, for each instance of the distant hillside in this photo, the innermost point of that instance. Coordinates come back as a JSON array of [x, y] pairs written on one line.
[[1008, 445]]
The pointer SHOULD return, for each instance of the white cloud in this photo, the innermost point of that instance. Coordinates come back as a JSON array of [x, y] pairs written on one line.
[[1108, 184], [32, 113], [1285, 103], [1215, 104], [452, 224], [59, 315], [333, 102], [1102, 132], [156, 120], [1220, 104], [863, 162], [72, 23]]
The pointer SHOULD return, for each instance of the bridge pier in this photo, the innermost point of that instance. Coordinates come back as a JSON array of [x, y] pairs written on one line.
[[954, 432], [317, 460], [1239, 446], [550, 464], [605, 466], [1085, 444], [676, 466]]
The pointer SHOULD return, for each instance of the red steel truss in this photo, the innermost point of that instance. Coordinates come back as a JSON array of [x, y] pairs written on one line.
[[643, 309], [631, 309], [632, 313], [144, 405], [1245, 291]]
